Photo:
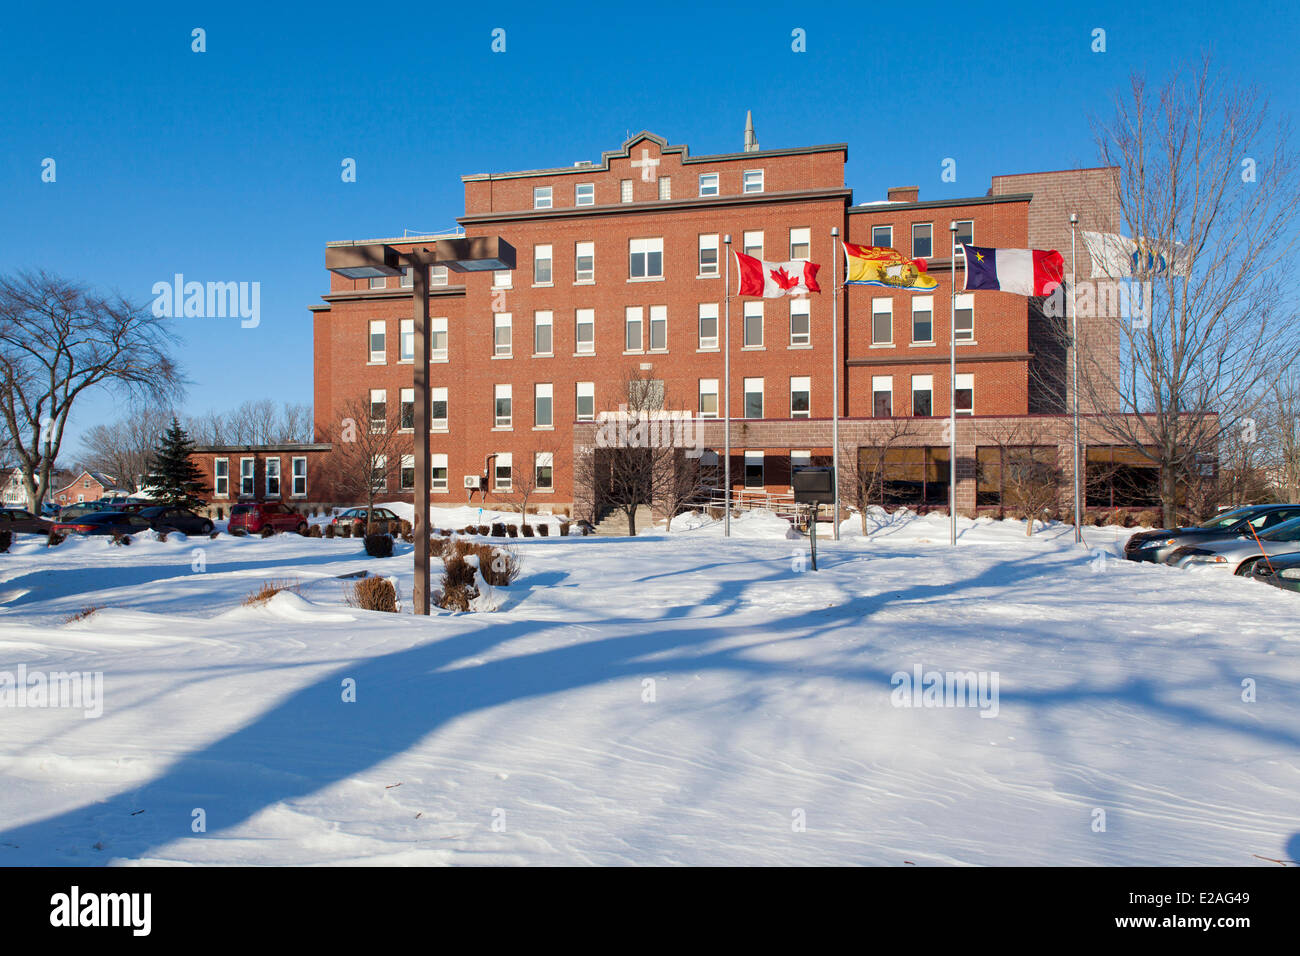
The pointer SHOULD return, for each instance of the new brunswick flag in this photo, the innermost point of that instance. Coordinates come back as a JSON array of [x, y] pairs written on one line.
[[882, 266]]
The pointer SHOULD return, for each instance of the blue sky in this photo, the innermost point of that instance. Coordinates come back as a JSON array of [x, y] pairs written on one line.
[[225, 165]]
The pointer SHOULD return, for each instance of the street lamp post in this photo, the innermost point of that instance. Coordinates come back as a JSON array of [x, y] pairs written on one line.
[[1074, 353], [364, 260]]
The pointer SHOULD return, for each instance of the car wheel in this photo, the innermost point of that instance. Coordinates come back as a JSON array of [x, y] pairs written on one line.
[[207, 527], [1246, 568]]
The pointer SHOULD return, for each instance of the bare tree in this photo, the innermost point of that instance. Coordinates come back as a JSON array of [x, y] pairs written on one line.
[[862, 470], [523, 480], [1029, 474], [59, 340], [1207, 197], [678, 479], [123, 448], [255, 422], [367, 449]]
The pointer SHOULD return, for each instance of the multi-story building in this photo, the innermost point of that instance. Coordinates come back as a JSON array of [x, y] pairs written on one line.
[[621, 275]]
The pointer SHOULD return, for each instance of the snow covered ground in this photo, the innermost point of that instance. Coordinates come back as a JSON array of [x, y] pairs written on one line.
[[670, 699]]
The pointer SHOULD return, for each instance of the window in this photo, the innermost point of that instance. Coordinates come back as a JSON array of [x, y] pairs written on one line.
[[501, 279], [882, 236], [298, 466], [708, 398], [882, 396], [437, 275], [632, 324], [665, 188], [543, 406], [753, 244], [379, 282], [379, 472], [408, 280], [221, 477], [502, 472], [965, 394], [544, 471], [646, 258], [246, 466], [541, 265], [800, 459], [503, 415], [965, 318], [378, 348], [438, 409], [709, 255], [625, 191], [586, 401], [708, 184], [753, 469], [646, 394], [658, 328], [801, 397], [922, 395], [584, 335], [965, 234], [584, 262], [753, 398], [882, 321], [584, 194], [438, 339], [922, 318], [800, 243], [542, 344], [503, 333], [406, 340], [753, 325], [541, 197], [708, 325], [800, 322], [378, 411], [438, 473], [406, 420], [407, 480], [752, 181], [922, 240]]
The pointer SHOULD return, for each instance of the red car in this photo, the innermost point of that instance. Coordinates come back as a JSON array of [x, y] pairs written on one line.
[[255, 516]]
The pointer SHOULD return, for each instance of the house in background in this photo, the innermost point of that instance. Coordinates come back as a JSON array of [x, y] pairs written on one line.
[[86, 486], [14, 494]]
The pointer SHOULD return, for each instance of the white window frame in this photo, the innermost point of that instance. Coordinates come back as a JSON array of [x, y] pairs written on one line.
[[665, 188], [543, 459], [658, 328], [923, 383], [543, 319], [405, 464], [750, 458], [800, 236], [890, 243], [377, 356], [646, 248], [543, 197], [708, 270], [882, 384], [438, 462], [801, 306], [405, 396], [625, 190], [752, 181], [584, 318], [965, 302], [917, 302], [503, 321], [218, 490], [250, 477], [298, 475], [585, 390], [965, 381], [543, 397], [710, 184], [581, 250], [922, 225], [505, 392], [503, 279], [584, 194], [503, 460], [882, 306], [544, 252], [708, 310], [958, 252], [752, 386], [752, 243], [382, 399], [753, 310], [709, 387], [633, 314], [438, 326], [406, 341], [801, 383], [438, 423]]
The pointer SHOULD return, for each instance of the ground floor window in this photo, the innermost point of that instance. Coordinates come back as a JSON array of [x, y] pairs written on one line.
[[221, 478], [1119, 477], [754, 469], [905, 476], [1016, 476]]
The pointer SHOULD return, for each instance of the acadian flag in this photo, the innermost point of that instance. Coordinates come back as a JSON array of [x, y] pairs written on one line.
[[1018, 271], [772, 280], [880, 265]]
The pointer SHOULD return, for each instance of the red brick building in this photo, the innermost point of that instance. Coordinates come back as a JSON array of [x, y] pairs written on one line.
[[620, 274]]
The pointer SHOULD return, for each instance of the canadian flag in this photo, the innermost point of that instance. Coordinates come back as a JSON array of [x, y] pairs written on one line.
[[772, 280]]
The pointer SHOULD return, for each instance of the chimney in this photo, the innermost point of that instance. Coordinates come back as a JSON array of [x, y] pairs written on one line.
[[751, 141], [903, 193]]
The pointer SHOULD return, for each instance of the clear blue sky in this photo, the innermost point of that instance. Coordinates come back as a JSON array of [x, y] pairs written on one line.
[[225, 165]]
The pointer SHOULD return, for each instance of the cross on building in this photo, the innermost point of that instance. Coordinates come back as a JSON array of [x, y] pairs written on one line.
[[646, 165]]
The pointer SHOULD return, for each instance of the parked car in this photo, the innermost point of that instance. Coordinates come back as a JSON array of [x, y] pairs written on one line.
[[16, 519], [1281, 572], [1239, 554], [83, 508], [253, 516], [49, 509], [1159, 545], [102, 522], [357, 518], [168, 518]]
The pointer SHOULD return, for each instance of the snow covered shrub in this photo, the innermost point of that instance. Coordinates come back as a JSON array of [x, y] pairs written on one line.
[[499, 566], [484, 530], [268, 532], [214, 534], [564, 529], [373, 594], [512, 530], [526, 530], [498, 530], [81, 615], [121, 539], [270, 589], [314, 531], [1114, 519], [6, 539], [439, 546], [55, 539], [544, 530], [345, 530], [379, 546], [329, 531], [458, 587], [404, 527], [1149, 519]]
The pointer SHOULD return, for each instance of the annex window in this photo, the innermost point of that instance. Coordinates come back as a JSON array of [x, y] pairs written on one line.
[[753, 325], [922, 395], [378, 411], [584, 262], [542, 333], [922, 319], [882, 396], [665, 187], [882, 321], [544, 471], [584, 194], [708, 325], [584, 331], [502, 471], [753, 244], [658, 328], [503, 329], [542, 197], [378, 344], [965, 318], [407, 409], [632, 322], [543, 406], [298, 465], [800, 322], [541, 265], [882, 236], [752, 181], [406, 340], [586, 401], [438, 409], [247, 468], [801, 397], [221, 477], [708, 184], [437, 472], [800, 243], [503, 413], [753, 398], [965, 394], [646, 258], [709, 255], [922, 240], [708, 398]]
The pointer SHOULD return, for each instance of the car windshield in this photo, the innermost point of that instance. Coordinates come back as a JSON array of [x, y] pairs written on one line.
[[1225, 520], [1286, 531]]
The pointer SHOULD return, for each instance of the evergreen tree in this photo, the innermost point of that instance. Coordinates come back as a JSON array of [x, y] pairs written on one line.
[[174, 479]]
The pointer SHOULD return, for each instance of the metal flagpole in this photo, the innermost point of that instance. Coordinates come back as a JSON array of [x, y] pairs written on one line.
[[726, 392], [835, 378], [952, 390], [1074, 351]]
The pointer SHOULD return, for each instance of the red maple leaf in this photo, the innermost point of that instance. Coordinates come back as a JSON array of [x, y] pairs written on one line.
[[783, 278]]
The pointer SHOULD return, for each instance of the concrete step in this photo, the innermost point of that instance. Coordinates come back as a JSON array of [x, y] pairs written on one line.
[[614, 524]]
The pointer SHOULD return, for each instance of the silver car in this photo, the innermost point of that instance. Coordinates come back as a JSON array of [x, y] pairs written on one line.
[[1240, 554], [1240, 524]]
